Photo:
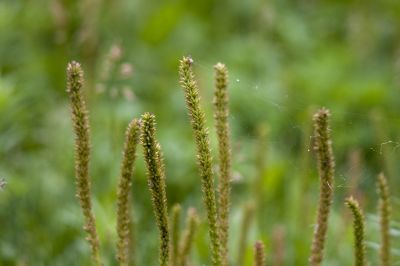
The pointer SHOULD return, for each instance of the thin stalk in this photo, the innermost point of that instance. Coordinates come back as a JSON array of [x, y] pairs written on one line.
[[359, 232], [259, 254], [124, 223], [244, 231], [156, 182], [187, 237], [204, 158], [384, 219], [175, 233], [80, 121], [326, 170], [221, 113]]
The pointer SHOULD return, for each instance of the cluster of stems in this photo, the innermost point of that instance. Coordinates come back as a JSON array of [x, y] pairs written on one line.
[[175, 249], [326, 170], [80, 120]]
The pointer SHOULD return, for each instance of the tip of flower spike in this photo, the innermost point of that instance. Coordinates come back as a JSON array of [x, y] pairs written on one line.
[[74, 67], [147, 122], [187, 60], [134, 123], [322, 113], [192, 212], [147, 116], [74, 76], [259, 253], [350, 201], [220, 66], [351, 198], [381, 177], [259, 244], [177, 207]]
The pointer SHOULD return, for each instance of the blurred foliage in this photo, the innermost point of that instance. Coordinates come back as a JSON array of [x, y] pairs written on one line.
[[286, 59]]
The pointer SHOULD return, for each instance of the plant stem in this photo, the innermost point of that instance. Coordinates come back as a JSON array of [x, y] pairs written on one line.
[[326, 170], [221, 113], [156, 182], [187, 237], [80, 120], [175, 233], [359, 235], [259, 254], [384, 219], [204, 158], [124, 223]]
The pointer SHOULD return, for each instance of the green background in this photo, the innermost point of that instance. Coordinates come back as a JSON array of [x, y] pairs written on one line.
[[286, 59]]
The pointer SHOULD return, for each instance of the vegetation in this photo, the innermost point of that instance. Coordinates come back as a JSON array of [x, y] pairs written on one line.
[[218, 219], [82, 152], [259, 161], [359, 232]]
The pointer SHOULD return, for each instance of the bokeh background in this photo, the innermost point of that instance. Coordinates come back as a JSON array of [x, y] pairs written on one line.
[[286, 59]]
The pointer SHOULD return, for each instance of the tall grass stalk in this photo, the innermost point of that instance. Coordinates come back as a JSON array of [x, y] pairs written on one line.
[[204, 158], [124, 223], [248, 214], [358, 231], [326, 170], [259, 254], [80, 121], [156, 182], [384, 219], [187, 240], [221, 113], [175, 233]]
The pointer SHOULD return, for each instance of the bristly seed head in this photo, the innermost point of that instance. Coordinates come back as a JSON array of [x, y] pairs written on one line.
[[359, 231], [221, 114], [124, 223], [80, 120], [385, 210], [326, 170], [204, 158], [156, 182]]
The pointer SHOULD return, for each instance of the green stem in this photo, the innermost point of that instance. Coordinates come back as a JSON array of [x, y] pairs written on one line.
[[204, 158]]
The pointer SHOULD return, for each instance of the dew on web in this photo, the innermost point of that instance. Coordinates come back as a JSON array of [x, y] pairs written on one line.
[[276, 95], [394, 148], [310, 143]]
